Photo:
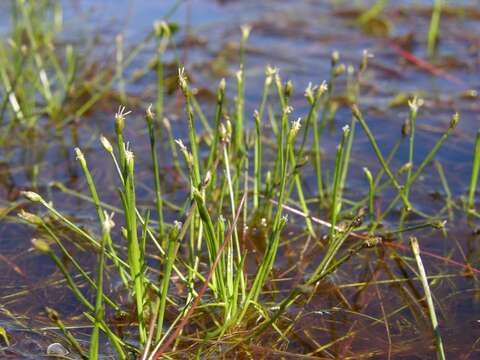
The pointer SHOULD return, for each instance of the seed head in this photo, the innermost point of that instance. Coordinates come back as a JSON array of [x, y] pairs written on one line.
[[208, 178], [180, 144], [296, 125], [224, 133], [415, 104], [356, 111], [120, 117], [32, 196], [322, 89], [186, 154], [161, 28], [270, 71], [335, 57], [366, 55], [245, 31], [367, 173], [405, 167], [106, 144], [182, 80], [129, 157], [294, 129], [309, 93], [339, 70], [150, 115], [256, 116], [350, 70], [221, 85], [455, 119], [167, 124], [41, 245], [52, 314], [79, 155], [108, 223], [288, 109], [288, 88], [239, 75], [29, 217]]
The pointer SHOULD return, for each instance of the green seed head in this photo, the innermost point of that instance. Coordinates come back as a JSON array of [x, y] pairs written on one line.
[[367, 173], [108, 223], [439, 224], [149, 115], [407, 166], [221, 89], [161, 29], [373, 241], [294, 129], [186, 154], [52, 314], [80, 157], [288, 88], [245, 32], [228, 126], [288, 110], [322, 89], [120, 118], [182, 80], [41, 245], [339, 70], [414, 245], [356, 111], [335, 58], [129, 157], [29, 217], [415, 104], [366, 55], [106, 144], [166, 124], [239, 75], [32, 196], [207, 179], [256, 116], [454, 121], [269, 73], [224, 134], [309, 93]]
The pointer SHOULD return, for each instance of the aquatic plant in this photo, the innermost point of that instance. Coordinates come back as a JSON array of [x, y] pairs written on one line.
[[206, 247]]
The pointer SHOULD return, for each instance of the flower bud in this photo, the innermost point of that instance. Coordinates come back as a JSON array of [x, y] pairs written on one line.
[[245, 32], [29, 217], [41, 245], [335, 58], [182, 80], [106, 144], [288, 88], [32, 196], [454, 121]]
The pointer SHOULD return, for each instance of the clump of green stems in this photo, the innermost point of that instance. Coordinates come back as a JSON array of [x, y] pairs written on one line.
[[40, 77], [207, 247]]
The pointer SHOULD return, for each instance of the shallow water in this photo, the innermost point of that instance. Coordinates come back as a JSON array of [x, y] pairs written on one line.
[[298, 37]]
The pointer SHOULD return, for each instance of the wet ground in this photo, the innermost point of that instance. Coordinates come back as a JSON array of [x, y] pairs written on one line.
[[371, 307]]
